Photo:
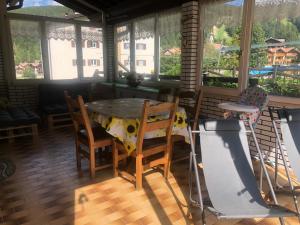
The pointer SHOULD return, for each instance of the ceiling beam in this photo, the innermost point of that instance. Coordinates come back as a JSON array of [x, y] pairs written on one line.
[[151, 6], [94, 7], [76, 7]]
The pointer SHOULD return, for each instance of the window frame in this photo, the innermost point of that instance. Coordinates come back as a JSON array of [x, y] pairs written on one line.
[[132, 44], [44, 48], [245, 44], [247, 25]]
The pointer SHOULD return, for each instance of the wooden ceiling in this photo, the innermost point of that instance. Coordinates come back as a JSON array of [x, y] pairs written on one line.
[[120, 10]]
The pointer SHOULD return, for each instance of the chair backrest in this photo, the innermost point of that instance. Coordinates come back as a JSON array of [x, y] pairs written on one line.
[[290, 126], [192, 101], [228, 169], [165, 115], [79, 115], [166, 94], [254, 96]]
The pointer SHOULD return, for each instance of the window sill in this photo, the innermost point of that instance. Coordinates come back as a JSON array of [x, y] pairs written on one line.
[[274, 100], [288, 101], [154, 83], [221, 91], [43, 81]]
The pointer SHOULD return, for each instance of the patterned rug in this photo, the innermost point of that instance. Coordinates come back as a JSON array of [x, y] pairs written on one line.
[[7, 169]]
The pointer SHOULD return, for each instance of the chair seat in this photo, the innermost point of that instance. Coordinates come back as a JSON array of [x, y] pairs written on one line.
[[99, 133], [178, 138], [147, 144], [154, 142]]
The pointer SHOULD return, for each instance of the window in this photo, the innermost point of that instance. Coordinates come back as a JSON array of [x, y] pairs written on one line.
[[222, 34], [144, 35], [141, 62], [49, 8], [170, 43], [126, 45], [74, 62], [93, 62], [93, 52], [157, 41], [49, 50], [123, 53], [59, 37], [275, 52], [26, 38], [92, 44], [140, 46]]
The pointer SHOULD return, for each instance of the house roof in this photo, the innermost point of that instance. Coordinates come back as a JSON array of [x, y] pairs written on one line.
[[284, 50], [120, 10], [172, 51], [275, 40]]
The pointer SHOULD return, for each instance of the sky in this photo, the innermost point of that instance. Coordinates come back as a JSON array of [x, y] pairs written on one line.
[[30, 3]]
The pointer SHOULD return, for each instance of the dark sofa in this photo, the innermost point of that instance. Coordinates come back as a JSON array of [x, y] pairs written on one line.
[[17, 116], [52, 102], [17, 122]]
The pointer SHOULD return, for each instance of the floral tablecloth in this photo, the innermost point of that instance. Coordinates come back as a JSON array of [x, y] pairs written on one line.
[[121, 119]]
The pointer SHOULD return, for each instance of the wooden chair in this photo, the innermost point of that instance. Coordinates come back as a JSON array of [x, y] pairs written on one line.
[[166, 94], [86, 135], [147, 148], [191, 101]]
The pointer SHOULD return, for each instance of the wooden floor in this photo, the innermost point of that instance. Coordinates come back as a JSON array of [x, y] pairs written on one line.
[[46, 189]]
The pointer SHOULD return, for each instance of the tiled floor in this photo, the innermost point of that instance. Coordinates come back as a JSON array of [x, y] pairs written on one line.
[[46, 190]]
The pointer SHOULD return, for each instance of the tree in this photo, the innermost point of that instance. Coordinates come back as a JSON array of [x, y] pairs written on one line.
[[221, 36], [281, 29], [211, 56], [170, 65], [26, 50], [258, 55], [170, 40]]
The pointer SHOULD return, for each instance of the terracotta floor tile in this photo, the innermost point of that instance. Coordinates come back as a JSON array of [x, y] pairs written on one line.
[[47, 190]]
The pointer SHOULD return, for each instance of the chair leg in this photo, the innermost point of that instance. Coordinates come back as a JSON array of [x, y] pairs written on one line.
[[139, 172], [92, 162], [35, 132], [11, 138], [78, 157], [167, 162], [50, 122], [115, 159]]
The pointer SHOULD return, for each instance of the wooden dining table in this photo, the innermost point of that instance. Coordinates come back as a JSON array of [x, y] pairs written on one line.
[[121, 119]]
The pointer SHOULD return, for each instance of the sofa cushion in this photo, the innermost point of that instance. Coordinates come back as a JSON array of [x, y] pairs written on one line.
[[55, 109], [17, 116], [51, 96], [5, 119]]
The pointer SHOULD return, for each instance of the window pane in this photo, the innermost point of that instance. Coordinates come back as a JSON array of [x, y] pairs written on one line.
[[123, 49], [222, 31], [92, 51], [144, 49], [275, 55], [170, 43], [26, 38], [62, 51]]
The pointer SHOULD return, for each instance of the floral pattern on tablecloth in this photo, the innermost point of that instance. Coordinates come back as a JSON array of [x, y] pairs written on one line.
[[254, 96], [126, 130]]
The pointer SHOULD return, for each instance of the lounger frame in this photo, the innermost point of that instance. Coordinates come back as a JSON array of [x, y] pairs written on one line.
[[193, 170], [278, 146]]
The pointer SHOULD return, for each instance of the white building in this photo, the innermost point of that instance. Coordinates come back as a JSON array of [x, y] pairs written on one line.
[[144, 55], [62, 52]]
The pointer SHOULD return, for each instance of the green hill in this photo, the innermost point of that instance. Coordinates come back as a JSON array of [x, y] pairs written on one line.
[[50, 11]]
